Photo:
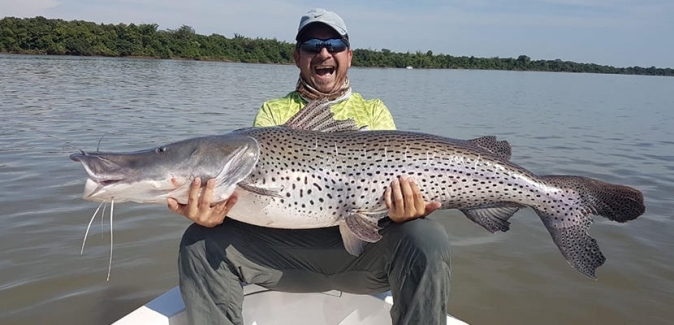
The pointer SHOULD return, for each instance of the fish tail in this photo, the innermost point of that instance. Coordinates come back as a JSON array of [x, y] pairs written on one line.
[[616, 202], [568, 225]]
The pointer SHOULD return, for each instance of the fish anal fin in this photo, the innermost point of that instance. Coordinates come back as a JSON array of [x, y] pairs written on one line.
[[570, 235], [492, 218], [569, 227], [272, 192], [500, 149], [317, 116]]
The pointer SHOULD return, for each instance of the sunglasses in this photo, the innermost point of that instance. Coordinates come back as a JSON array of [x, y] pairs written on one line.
[[315, 45]]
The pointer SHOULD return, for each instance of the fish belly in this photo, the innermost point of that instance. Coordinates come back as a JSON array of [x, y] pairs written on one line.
[[271, 212]]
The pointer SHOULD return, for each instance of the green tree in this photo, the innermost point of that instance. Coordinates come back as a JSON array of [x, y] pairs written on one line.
[[40, 35]]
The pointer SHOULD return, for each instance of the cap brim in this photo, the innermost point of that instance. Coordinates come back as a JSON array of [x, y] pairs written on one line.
[[300, 33]]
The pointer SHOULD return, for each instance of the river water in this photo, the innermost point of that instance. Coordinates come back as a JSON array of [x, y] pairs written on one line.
[[615, 128]]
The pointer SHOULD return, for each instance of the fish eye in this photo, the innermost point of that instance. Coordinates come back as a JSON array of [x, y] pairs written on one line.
[[160, 149]]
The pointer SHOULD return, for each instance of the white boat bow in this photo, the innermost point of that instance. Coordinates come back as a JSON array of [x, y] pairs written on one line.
[[262, 307]]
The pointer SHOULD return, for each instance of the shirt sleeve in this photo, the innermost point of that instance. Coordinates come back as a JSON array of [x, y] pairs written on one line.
[[381, 117]]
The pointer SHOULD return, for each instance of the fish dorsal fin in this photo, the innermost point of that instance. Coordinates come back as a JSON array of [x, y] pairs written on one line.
[[317, 116], [499, 148]]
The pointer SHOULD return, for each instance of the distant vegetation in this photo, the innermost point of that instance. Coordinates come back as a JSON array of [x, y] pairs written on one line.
[[40, 35]]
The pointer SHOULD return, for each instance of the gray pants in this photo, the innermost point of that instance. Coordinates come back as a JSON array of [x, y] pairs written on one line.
[[411, 260]]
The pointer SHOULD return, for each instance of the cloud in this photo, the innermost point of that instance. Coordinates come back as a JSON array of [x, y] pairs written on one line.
[[531, 13], [26, 8], [253, 18]]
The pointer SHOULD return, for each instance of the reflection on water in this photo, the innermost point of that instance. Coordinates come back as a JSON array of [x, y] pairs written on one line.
[[616, 128]]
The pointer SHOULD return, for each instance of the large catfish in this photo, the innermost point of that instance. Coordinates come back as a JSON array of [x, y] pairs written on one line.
[[315, 171]]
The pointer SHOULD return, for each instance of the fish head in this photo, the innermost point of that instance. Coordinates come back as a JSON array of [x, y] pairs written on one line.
[[152, 175]]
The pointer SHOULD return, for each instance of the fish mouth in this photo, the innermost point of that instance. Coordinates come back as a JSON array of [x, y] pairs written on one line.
[[93, 164], [104, 182]]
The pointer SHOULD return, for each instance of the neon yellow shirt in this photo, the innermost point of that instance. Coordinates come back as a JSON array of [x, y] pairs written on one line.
[[372, 113]]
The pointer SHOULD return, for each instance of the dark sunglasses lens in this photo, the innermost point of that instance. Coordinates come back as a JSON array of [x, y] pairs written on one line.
[[316, 45], [337, 45], [310, 46]]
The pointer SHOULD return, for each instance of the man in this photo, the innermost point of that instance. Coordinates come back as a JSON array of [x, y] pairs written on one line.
[[411, 260]]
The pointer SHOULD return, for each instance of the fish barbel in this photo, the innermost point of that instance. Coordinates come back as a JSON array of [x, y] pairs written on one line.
[[315, 171]]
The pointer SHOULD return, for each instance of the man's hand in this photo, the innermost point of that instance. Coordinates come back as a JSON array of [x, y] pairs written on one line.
[[405, 202], [199, 208]]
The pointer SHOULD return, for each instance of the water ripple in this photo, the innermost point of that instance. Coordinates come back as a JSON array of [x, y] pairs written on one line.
[[616, 128]]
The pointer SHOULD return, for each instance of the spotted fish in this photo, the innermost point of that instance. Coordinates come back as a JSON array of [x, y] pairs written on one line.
[[315, 171]]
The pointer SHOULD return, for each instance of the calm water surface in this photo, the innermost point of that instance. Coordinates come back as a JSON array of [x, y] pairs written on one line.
[[616, 128]]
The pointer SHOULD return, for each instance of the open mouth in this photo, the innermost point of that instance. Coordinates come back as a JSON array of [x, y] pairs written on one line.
[[96, 168], [322, 71], [106, 182]]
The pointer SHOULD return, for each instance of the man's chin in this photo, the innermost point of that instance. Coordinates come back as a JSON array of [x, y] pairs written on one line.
[[326, 87], [327, 83]]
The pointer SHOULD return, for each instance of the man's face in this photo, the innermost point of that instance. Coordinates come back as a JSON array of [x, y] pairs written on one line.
[[324, 71]]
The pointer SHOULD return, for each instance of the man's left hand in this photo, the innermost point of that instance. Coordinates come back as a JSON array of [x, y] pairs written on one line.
[[405, 202]]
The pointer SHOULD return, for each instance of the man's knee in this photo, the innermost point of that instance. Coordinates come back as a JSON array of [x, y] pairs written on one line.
[[192, 234], [420, 272], [221, 235], [206, 244], [213, 246], [192, 248], [422, 237]]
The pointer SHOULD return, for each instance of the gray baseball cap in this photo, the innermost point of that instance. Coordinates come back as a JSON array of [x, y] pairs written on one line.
[[320, 15]]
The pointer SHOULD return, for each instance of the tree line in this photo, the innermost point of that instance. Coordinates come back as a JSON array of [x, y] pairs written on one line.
[[40, 35]]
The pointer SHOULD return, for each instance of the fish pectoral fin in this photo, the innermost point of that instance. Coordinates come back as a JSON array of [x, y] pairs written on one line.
[[492, 218], [352, 244], [273, 192], [365, 228], [239, 165], [570, 235]]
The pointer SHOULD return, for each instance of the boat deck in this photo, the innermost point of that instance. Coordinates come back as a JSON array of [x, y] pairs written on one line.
[[262, 306]]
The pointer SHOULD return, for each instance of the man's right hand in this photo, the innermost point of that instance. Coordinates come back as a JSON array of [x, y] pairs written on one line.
[[199, 208]]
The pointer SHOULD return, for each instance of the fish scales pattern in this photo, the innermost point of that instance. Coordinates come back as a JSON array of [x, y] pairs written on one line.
[[324, 177], [339, 172]]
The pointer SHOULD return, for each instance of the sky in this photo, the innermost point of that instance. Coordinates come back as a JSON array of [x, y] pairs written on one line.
[[620, 33]]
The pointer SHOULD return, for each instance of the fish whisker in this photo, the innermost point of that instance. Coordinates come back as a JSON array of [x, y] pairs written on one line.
[[102, 219], [89, 226], [98, 146], [112, 207]]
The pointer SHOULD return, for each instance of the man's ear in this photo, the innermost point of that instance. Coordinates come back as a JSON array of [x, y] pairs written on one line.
[[350, 54], [296, 55]]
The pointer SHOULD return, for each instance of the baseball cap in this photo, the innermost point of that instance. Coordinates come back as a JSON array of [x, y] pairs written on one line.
[[320, 15]]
